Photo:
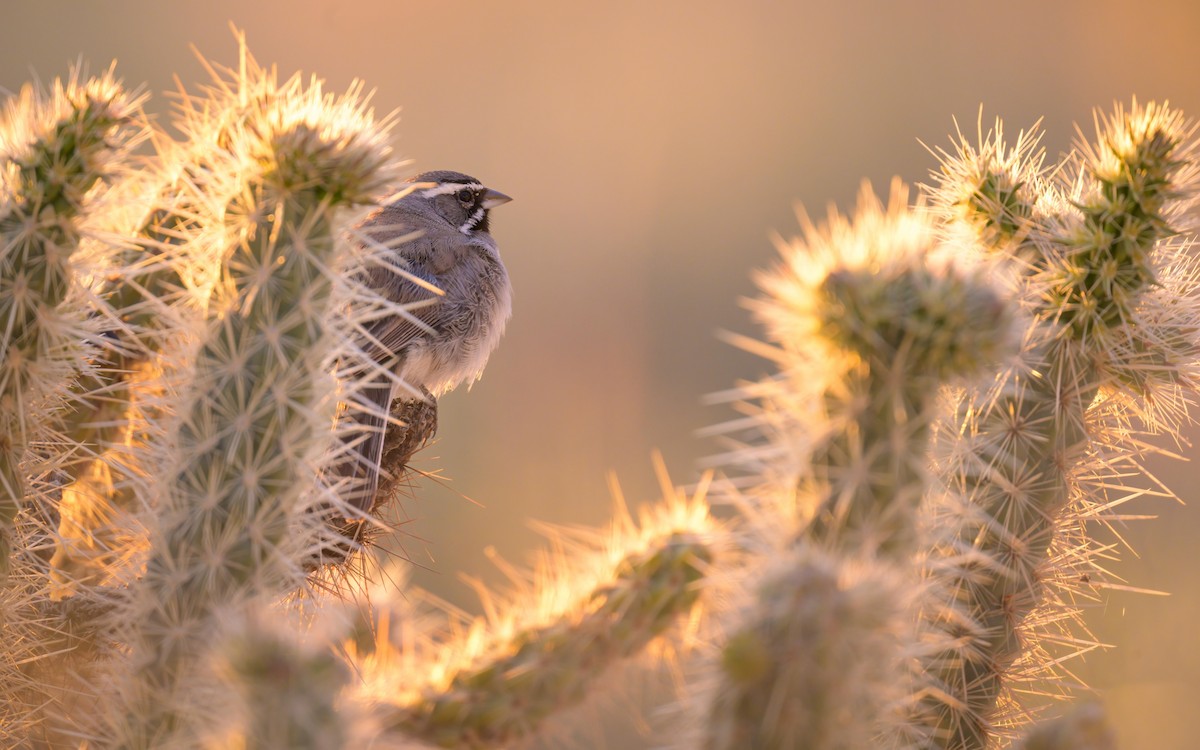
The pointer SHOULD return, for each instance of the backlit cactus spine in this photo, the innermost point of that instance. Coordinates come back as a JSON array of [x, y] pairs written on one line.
[[260, 413], [1019, 456]]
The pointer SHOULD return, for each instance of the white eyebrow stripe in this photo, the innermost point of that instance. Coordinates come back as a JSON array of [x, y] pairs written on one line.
[[450, 187]]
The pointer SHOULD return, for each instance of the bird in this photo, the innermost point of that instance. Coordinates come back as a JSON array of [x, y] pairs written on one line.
[[442, 262]]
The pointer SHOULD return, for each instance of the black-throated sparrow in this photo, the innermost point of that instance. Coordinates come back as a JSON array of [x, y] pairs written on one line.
[[448, 338]]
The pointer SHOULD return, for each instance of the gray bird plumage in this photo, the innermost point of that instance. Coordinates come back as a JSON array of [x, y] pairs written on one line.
[[457, 330]]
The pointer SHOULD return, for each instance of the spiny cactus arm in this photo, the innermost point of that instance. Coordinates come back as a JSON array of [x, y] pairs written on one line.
[[542, 670], [994, 194], [1134, 195], [47, 650], [1008, 484], [551, 644], [261, 410], [816, 659], [54, 147], [146, 293], [1137, 176], [877, 311], [1018, 451]]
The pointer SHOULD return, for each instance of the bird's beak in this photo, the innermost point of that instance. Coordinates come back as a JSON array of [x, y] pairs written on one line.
[[493, 198]]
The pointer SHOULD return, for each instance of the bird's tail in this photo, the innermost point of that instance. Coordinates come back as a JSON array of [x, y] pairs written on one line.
[[362, 429]]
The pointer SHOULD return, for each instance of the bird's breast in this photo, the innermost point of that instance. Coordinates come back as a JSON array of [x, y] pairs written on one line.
[[470, 319]]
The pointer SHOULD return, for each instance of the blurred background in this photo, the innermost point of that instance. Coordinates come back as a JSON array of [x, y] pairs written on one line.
[[652, 148]]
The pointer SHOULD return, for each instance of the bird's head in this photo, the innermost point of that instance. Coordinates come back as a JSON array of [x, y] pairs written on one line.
[[459, 199]]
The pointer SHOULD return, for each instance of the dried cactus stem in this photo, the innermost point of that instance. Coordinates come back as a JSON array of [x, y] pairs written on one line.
[[415, 425]]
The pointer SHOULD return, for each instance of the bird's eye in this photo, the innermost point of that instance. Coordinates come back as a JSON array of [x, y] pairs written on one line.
[[466, 196]]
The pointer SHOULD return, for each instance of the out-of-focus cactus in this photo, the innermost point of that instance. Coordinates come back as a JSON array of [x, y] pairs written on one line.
[[541, 670], [1085, 728], [55, 146], [894, 321], [551, 646], [818, 658], [60, 149], [908, 503], [871, 310], [148, 290], [289, 690]]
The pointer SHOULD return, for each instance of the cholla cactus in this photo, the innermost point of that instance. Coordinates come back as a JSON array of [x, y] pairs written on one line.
[[540, 670], [876, 311], [817, 659], [59, 148], [910, 500], [257, 419], [1033, 456], [56, 146], [551, 645], [148, 294], [890, 319]]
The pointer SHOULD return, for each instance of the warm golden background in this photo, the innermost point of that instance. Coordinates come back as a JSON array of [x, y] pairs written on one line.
[[651, 148]]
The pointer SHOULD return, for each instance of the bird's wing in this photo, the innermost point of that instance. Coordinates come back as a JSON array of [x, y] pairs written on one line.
[[411, 288]]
